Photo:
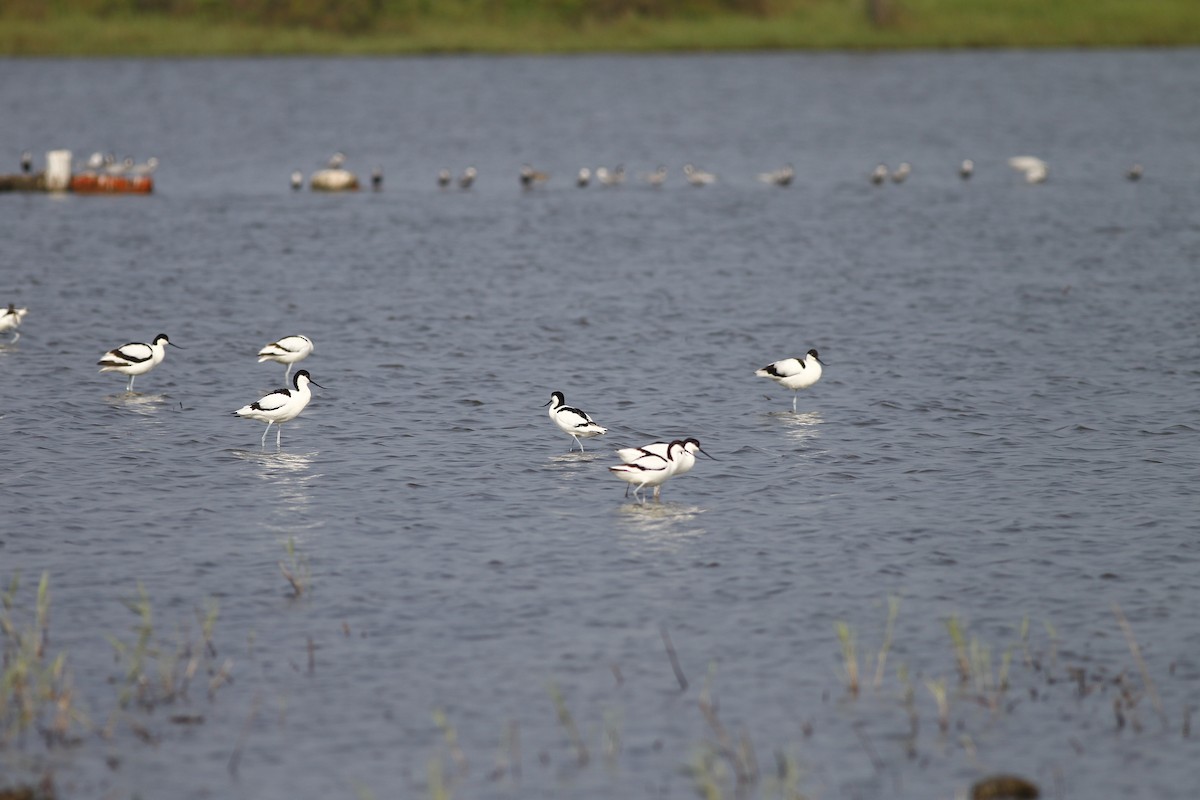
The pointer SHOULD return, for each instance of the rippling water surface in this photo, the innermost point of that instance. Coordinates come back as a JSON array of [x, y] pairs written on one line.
[[1007, 429]]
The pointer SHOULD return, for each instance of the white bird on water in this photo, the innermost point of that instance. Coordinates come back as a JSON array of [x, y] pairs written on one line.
[[10, 320], [572, 421], [879, 174], [698, 177], [901, 172], [651, 469], [287, 350], [136, 358], [1034, 169], [966, 169], [794, 373], [467, 178], [779, 177], [280, 406], [683, 460]]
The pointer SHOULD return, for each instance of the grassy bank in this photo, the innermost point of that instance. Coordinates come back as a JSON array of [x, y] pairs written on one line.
[[452, 26]]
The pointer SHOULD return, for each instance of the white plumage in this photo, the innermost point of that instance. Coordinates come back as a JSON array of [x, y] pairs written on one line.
[[651, 469], [698, 177], [10, 320], [780, 177], [1034, 169], [281, 405], [573, 421], [287, 350], [136, 358], [794, 373]]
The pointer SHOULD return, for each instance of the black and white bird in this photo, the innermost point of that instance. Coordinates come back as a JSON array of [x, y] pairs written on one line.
[[337, 160], [466, 180], [531, 177], [443, 178], [1134, 173], [656, 178], [136, 358], [377, 178], [683, 460], [651, 469], [572, 421], [583, 178], [901, 173], [879, 174], [794, 373], [1032, 167], [966, 169], [297, 180], [287, 350], [280, 406], [611, 177], [10, 320], [27, 161]]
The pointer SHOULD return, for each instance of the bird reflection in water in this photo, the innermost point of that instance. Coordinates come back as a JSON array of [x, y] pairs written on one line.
[[803, 427], [289, 476], [145, 404], [658, 526]]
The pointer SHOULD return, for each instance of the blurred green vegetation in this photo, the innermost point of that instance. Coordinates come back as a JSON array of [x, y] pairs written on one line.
[[200, 27]]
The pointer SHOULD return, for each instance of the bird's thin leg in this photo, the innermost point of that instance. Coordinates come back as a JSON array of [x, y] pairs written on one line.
[[264, 439], [278, 435], [129, 386], [794, 402], [658, 493], [627, 490], [287, 373], [16, 335]]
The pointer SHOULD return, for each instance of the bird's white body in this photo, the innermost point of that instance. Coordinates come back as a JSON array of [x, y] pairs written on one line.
[[1034, 169], [531, 177], [135, 358], [583, 178], [879, 174], [287, 350], [297, 179], [966, 169], [280, 406], [610, 177], [698, 177], [901, 172], [684, 460], [779, 177], [651, 469], [467, 178], [443, 178], [573, 421], [794, 373], [656, 178], [11, 318]]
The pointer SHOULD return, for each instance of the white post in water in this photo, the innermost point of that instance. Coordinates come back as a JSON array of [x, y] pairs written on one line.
[[58, 170]]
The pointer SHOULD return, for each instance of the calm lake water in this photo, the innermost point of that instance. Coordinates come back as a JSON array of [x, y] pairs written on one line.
[[1006, 431]]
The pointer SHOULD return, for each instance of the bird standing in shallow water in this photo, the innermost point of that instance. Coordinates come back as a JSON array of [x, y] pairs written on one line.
[[651, 469], [280, 406], [573, 421], [287, 350], [794, 373], [136, 358], [683, 461]]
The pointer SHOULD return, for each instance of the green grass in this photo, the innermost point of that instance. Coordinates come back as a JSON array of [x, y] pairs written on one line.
[[458, 26]]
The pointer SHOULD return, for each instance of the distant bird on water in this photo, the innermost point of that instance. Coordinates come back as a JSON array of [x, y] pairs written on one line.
[[297, 180], [966, 169], [377, 178], [656, 178], [698, 177], [1032, 167], [879, 174], [287, 350], [136, 358], [1134, 173], [901, 172], [779, 177], [443, 178], [583, 178], [613, 177], [337, 160], [794, 373], [531, 177], [26, 161], [467, 179], [10, 320]]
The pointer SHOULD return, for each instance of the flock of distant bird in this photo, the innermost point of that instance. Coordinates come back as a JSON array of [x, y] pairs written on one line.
[[1032, 168], [649, 466]]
